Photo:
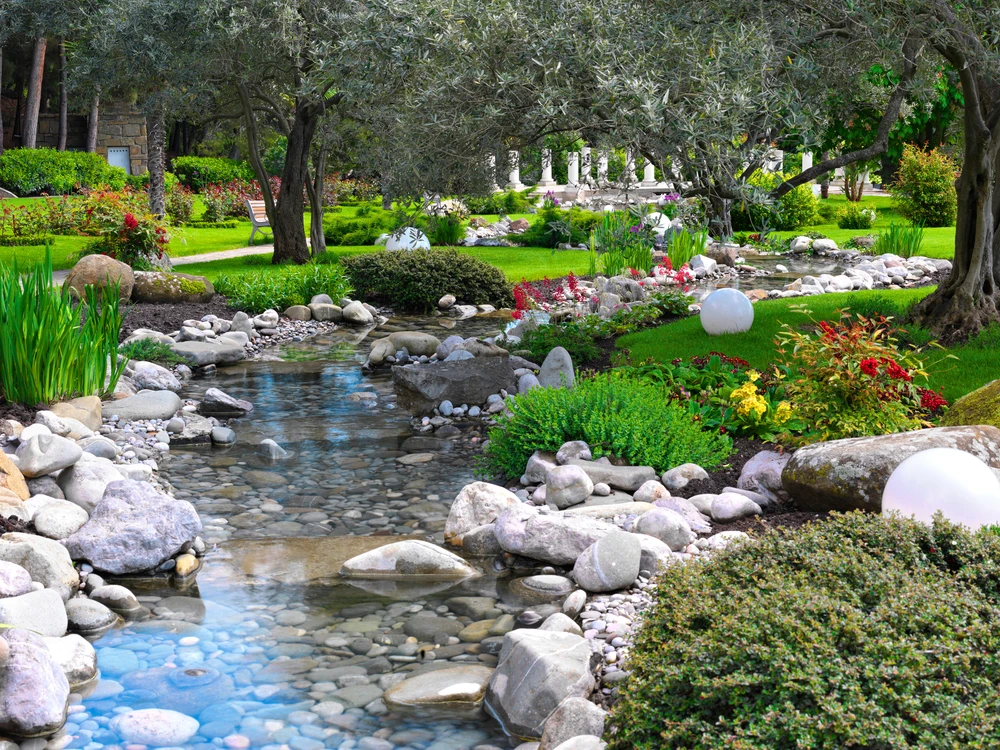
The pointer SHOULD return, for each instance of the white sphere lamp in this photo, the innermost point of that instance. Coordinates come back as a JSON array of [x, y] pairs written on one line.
[[726, 311], [656, 221], [958, 484], [408, 238]]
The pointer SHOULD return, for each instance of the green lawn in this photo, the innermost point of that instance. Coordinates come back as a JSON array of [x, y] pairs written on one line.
[[685, 338], [531, 263], [939, 242]]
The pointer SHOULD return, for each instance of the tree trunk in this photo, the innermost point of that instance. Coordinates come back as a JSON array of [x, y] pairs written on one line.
[[157, 165], [967, 300], [95, 106], [289, 231], [1, 90], [317, 239], [824, 186], [720, 222], [63, 97], [34, 103]]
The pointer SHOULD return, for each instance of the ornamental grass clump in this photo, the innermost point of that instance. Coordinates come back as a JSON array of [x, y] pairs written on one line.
[[856, 632], [50, 348], [278, 288], [615, 415]]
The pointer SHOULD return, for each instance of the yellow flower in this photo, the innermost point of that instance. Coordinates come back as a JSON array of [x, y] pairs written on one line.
[[747, 390], [754, 404], [753, 376], [783, 412]]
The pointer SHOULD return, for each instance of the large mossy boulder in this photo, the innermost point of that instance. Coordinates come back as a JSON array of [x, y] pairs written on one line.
[[161, 287], [101, 271], [982, 406]]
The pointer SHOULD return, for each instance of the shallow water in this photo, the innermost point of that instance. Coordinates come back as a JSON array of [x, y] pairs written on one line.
[[270, 648], [797, 265]]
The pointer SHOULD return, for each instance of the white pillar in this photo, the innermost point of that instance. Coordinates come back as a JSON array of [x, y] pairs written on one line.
[[514, 179], [573, 168], [649, 174], [585, 165], [628, 174], [807, 160], [546, 180], [602, 168]]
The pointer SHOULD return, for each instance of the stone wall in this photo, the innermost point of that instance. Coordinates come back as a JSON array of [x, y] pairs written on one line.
[[119, 125]]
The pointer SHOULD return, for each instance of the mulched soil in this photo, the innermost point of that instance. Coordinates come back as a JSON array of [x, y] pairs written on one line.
[[17, 412], [168, 318], [778, 515]]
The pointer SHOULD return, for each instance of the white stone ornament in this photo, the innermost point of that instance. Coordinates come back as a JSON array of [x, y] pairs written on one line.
[[408, 238], [954, 482], [726, 311]]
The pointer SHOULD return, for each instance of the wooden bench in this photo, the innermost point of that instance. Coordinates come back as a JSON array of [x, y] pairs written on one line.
[[258, 217]]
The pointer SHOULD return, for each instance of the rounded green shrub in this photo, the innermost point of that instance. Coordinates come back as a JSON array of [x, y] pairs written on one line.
[[416, 280], [796, 208], [857, 632], [196, 172], [924, 188], [30, 171], [614, 414]]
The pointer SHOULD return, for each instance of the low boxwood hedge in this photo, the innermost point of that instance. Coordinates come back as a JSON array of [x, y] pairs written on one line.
[[31, 171], [417, 279], [857, 632]]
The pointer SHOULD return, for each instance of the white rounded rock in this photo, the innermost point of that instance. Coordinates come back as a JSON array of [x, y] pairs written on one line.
[[408, 238], [963, 488], [726, 311], [156, 727]]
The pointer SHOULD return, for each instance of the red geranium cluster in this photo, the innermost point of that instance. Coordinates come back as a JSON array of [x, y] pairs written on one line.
[[130, 223], [870, 367], [932, 401], [682, 276]]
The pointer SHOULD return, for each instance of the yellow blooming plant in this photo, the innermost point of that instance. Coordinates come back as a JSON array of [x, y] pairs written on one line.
[[750, 409]]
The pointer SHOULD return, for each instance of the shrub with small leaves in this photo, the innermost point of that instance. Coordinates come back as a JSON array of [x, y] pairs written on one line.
[[924, 188], [857, 632]]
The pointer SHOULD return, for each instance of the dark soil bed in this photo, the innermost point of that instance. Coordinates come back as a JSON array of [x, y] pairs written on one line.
[[168, 318], [18, 412]]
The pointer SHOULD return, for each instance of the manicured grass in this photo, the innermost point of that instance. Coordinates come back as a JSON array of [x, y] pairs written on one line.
[[939, 242], [685, 338], [531, 263]]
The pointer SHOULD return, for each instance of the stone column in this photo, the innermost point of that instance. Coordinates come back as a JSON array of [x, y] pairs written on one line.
[[585, 165], [573, 168], [491, 165], [628, 174], [546, 180], [649, 174], [514, 179], [807, 160], [602, 168]]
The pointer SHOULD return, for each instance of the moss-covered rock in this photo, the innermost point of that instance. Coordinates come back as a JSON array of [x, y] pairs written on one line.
[[161, 287], [979, 407]]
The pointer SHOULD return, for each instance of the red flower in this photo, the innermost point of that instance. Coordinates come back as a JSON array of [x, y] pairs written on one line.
[[931, 401], [130, 222], [829, 332], [572, 282], [898, 373], [869, 366]]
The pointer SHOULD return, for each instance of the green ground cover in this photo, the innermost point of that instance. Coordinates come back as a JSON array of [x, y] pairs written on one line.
[[977, 362], [939, 242]]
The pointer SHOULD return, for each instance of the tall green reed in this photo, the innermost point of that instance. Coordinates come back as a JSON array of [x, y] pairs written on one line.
[[51, 347]]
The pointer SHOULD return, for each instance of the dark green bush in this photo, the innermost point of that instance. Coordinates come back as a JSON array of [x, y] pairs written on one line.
[[417, 279], [553, 225], [30, 171], [924, 189], [859, 632], [616, 416], [361, 229], [795, 209], [502, 203], [196, 172]]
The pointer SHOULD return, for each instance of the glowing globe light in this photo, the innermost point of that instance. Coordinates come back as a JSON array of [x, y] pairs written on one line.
[[954, 482], [726, 311], [409, 238], [657, 221]]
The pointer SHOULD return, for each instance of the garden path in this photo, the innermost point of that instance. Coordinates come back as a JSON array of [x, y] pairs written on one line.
[[58, 277]]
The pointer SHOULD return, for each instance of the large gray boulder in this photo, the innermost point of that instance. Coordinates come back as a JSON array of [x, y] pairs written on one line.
[[46, 561], [201, 353], [451, 693], [60, 519], [850, 474], [575, 717], [357, 314], [150, 376], [566, 486], [537, 671], [134, 529], [84, 483], [609, 564], [144, 405], [668, 526], [627, 478], [34, 691], [557, 370], [470, 381], [409, 559], [217, 403], [46, 453], [551, 537], [41, 612], [478, 504], [75, 656]]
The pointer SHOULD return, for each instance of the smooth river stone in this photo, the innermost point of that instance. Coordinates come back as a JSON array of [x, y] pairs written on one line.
[[454, 693]]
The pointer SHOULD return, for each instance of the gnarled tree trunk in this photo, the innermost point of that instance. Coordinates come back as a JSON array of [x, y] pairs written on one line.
[[1, 109], [720, 220], [287, 225], [157, 164], [63, 98], [95, 106]]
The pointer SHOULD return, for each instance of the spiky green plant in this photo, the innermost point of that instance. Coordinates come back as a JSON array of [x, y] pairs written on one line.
[[684, 246], [51, 347]]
